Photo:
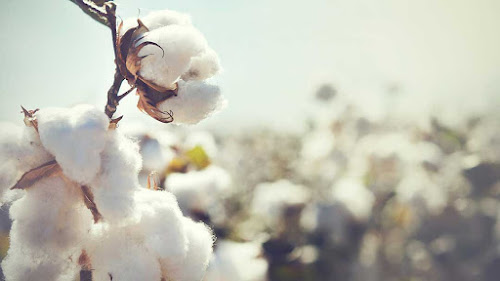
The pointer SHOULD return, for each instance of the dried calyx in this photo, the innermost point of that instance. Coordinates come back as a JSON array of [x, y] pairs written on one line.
[[129, 62]]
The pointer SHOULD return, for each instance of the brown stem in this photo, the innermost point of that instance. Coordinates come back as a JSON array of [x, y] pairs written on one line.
[[113, 94]]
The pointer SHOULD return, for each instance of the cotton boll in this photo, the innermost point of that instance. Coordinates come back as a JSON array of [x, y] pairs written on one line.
[[355, 196], [203, 66], [163, 66], [200, 240], [237, 262], [76, 137], [199, 189], [117, 181], [194, 102]]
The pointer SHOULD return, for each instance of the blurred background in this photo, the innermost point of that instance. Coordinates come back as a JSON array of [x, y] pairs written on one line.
[[361, 140]]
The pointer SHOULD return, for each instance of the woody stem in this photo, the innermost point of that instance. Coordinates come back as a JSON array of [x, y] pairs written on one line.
[[113, 98]]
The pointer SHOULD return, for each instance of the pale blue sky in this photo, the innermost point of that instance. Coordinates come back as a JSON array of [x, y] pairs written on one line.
[[274, 53]]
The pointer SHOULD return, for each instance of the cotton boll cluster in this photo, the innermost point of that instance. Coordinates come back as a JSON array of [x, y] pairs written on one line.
[[137, 234]]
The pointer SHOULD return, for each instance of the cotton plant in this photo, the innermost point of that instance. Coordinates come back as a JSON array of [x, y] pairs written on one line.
[[78, 209]]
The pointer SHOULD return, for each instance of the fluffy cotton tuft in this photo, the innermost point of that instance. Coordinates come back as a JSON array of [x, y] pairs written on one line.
[[200, 240], [76, 137], [117, 181], [20, 151], [117, 254], [178, 45], [203, 66], [195, 101], [157, 19], [50, 224]]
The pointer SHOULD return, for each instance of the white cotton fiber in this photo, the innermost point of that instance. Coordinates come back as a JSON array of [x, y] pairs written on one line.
[[200, 240], [20, 151], [160, 221], [194, 102], [178, 45], [50, 226], [157, 19], [50, 216], [117, 180], [76, 137], [203, 66], [22, 264], [115, 253]]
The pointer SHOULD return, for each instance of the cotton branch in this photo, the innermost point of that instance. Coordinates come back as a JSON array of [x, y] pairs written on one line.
[[105, 13]]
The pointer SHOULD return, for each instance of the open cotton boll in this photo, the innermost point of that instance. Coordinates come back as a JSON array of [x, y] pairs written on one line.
[[203, 66], [163, 66], [270, 199], [117, 180], [199, 189], [355, 196], [76, 137], [200, 240], [237, 262], [194, 102]]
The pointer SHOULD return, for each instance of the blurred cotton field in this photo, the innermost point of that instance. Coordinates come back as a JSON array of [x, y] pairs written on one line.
[[321, 140]]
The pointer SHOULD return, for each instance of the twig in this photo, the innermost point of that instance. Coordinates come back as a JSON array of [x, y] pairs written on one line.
[[88, 199], [93, 11], [113, 100]]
